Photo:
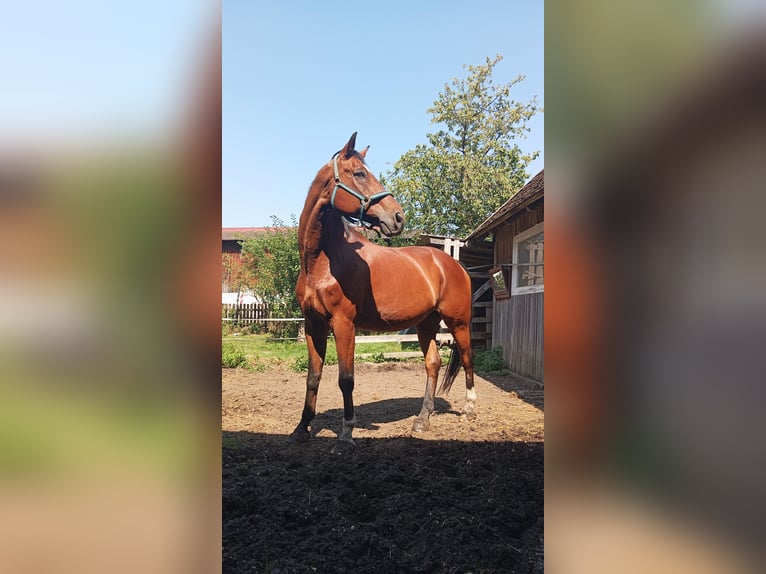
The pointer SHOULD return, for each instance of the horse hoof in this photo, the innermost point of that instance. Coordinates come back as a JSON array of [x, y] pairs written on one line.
[[298, 436], [343, 447], [420, 425], [469, 415]]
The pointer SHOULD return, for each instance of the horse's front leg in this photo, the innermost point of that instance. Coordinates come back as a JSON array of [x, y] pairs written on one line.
[[344, 343], [316, 341]]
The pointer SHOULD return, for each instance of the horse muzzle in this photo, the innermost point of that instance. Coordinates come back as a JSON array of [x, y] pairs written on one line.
[[391, 225]]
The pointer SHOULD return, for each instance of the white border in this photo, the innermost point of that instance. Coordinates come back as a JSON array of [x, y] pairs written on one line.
[[534, 230]]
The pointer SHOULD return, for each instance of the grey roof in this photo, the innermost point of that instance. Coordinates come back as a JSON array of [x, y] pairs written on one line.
[[532, 190]]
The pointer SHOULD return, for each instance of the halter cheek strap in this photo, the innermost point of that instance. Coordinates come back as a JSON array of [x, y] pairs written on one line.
[[365, 202]]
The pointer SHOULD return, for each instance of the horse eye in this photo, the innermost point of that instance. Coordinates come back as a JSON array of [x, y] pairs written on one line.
[[359, 174]]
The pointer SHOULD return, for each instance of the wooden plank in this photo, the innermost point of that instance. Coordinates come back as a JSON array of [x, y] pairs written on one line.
[[264, 320], [518, 329], [480, 291], [396, 355], [412, 338]]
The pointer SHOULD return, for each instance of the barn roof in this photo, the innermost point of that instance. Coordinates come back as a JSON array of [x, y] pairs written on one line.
[[233, 233], [532, 191]]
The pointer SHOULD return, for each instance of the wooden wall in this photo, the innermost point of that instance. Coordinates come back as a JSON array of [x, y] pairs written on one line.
[[231, 258], [517, 324], [505, 233], [518, 328]]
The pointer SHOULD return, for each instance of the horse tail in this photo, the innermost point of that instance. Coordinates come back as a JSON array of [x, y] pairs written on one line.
[[452, 369]]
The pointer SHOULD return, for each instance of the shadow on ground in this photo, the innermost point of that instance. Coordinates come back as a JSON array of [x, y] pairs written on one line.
[[370, 415], [393, 505]]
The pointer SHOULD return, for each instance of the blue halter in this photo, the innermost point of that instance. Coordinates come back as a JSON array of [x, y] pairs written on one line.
[[364, 202]]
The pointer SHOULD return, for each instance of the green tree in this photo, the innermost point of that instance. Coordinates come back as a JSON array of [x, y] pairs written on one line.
[[274, 260], [472, 165], [237, 275]]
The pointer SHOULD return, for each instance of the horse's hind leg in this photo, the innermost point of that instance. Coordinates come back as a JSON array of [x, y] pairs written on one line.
[[427, 330], [461, 331], [462, 335], [316, 341]]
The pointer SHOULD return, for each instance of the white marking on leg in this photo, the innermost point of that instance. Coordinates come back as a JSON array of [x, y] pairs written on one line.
[[470, 402]]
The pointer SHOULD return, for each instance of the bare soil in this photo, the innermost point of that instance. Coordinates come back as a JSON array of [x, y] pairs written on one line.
[[465, 496]]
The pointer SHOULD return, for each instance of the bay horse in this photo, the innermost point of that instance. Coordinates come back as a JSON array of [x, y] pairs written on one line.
[[346, 281]]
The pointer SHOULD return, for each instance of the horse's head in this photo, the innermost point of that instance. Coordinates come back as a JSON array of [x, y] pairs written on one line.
[[357, 193]]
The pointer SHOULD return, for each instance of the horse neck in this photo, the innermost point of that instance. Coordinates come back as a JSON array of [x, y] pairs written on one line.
[[316, 226]]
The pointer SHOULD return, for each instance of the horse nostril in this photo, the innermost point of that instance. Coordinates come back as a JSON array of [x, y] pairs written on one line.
[[399, 217]]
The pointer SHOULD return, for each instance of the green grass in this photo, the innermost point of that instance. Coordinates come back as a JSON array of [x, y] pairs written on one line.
[[261, 351]]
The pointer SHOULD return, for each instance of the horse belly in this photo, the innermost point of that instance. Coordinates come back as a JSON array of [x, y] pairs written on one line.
[[387, 324], [400, 305]]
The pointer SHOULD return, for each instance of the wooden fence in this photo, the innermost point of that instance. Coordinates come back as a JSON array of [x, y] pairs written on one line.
[[246, 313], [250, 313]]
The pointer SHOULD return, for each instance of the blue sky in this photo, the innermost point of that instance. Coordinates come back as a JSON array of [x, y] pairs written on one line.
[[299, 77]]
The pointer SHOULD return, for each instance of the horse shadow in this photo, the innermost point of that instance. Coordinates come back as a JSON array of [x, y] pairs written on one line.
[[370, 416]]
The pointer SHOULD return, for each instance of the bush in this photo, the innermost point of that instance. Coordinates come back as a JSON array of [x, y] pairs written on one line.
[[489, 360], [284, 329], [377, 358], [301, 364], [232, 357], [273, 260]]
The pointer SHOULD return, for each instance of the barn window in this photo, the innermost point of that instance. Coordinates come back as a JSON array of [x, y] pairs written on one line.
[[528, 250]]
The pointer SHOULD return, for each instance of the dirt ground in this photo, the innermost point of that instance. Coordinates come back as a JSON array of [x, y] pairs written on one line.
[[465, 496]]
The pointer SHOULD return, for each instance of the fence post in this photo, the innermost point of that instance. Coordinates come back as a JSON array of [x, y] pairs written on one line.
[[302, 332]]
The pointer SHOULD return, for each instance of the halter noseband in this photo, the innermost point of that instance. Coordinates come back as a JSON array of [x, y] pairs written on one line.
[[364, 202]]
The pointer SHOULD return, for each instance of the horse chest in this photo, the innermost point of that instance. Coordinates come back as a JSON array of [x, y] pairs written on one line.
[[322, 294]]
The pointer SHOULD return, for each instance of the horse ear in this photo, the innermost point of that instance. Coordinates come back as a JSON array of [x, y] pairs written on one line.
[[363, 153], [348, 150]]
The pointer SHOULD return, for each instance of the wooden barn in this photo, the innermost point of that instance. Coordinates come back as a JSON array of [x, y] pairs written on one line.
[[231, 252], [516, 277]]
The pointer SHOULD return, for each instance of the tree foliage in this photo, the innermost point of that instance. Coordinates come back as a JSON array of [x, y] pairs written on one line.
[[273, 258], [237, 274], [472, 165]]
